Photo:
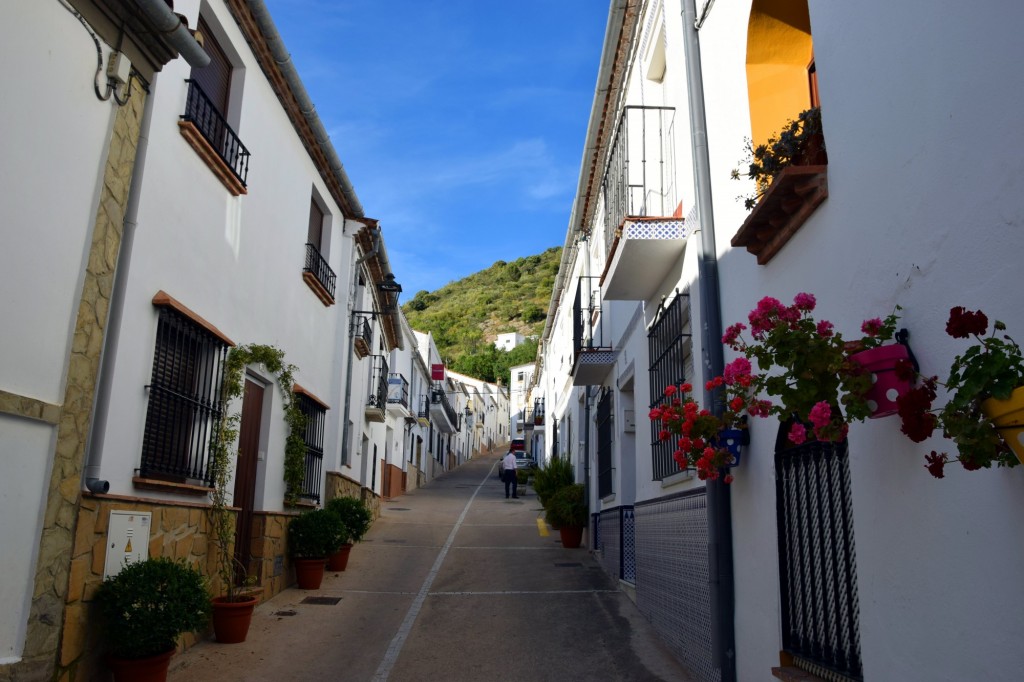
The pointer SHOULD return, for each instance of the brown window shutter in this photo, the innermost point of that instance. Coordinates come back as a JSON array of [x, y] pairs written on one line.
[[316, 225], [215, 78]]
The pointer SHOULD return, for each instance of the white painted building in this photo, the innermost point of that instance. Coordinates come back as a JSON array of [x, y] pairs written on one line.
[[508, 341], [922, 211]]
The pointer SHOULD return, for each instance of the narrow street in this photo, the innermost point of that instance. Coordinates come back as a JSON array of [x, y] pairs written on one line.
[[453, 582]]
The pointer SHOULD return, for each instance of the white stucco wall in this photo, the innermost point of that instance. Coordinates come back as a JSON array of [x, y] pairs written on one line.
[[924, 211], [235, 261], [52, 156]]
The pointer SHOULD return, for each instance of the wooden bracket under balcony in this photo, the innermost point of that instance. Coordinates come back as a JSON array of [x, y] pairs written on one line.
[[793, 196], [321, 292], [211, 158]]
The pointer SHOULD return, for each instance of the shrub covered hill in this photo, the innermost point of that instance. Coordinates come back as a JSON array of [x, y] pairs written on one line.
[[466, 316]]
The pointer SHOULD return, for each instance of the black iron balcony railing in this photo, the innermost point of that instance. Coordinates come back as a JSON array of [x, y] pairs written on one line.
[[538, 411], [317, 266], [362, 335], [639, 180], [424, 411], [586, 312], [378, 383], [439, 397], [398, 390], [202, 113]]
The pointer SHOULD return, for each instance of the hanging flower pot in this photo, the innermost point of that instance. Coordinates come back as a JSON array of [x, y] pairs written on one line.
[[1008, 418], [886, 386], [733, 441]]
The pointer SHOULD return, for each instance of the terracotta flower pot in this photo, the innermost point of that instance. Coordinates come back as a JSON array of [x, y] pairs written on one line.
[[572, 536], [886, 387], [309, 573], [339, 560], [1008, 417], [231, 619], [150, 669]]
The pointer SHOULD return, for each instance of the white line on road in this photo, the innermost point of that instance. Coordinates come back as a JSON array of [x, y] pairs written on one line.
[[395, 648]]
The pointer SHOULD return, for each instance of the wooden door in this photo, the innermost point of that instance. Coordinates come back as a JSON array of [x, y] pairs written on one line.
[[245, 476]]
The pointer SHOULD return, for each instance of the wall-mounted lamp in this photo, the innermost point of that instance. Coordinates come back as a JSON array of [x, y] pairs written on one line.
[[389, 284]]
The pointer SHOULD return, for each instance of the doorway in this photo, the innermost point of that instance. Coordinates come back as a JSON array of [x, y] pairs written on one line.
[[245, 476]]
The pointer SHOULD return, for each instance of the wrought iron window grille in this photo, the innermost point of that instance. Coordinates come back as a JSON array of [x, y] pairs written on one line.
[[668, 342], [184, 401], [314, 436]]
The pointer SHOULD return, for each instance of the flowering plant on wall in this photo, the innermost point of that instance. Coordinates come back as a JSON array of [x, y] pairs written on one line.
[[699, 433], [806, 366], [982, 383]]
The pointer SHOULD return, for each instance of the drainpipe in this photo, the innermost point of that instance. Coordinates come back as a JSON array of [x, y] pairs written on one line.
[[723, 636], [101, 413], [177, 34]]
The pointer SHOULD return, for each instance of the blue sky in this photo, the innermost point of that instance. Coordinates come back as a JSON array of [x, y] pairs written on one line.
[[460, 122]]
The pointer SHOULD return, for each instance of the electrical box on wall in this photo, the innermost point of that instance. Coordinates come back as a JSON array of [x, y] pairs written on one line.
[[628, 421], [127, 540]]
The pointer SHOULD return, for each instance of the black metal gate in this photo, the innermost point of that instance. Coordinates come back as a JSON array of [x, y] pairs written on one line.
[[817, 562]]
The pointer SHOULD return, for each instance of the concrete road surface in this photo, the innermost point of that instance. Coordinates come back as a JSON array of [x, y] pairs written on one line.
[[454, 583]]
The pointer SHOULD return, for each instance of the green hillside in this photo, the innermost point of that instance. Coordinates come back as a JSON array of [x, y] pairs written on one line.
[[466, 316]]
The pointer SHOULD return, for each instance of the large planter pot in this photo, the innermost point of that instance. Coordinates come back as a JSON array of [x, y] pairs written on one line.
[[151, 669], [572, 536], [339, 560], [886, 387], [309, 573], [1008, 417], [231, 619]]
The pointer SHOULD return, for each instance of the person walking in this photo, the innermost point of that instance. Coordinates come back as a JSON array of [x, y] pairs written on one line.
[[508, 474]]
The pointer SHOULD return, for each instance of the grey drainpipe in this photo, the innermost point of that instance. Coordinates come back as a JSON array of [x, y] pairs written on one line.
[[284, 61], [177, 34], [94, 448], [723, 636]]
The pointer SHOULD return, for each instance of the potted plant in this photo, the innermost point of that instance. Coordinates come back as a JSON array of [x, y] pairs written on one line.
[[551, 477], [799, 143], [984, 414], [312, 537], [355, 519], [706, 441], [567, 511], [145, 607], [807, 367]]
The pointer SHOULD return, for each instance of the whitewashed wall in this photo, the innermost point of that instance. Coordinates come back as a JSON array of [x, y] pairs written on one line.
[[236, 261], [924, 211], [51, 160]]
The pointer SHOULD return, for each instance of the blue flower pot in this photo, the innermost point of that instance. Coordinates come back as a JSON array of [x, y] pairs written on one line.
[[733, 441]]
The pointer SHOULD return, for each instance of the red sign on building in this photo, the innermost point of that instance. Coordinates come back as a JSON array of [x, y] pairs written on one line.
[[437, 372]]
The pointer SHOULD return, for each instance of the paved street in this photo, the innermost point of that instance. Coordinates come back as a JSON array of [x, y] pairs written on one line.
[[453, 582]]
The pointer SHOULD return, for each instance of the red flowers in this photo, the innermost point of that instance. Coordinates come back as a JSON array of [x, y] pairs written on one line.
[[698, 429], [965, 323]]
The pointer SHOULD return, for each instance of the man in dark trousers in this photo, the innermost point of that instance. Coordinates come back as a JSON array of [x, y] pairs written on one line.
[[508, 474]]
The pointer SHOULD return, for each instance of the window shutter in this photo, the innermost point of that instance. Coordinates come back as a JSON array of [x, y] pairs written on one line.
[[215, 78], [316, 225]]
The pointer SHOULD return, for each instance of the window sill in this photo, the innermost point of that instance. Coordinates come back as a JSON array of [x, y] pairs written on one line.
[[313, 283], [170, 487], [785, 207], [210, 157]]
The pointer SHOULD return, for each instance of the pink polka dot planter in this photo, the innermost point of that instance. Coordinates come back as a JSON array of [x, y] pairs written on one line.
[[886, 387]]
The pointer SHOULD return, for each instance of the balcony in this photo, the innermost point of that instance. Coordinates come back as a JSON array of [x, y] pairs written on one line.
[[376, 402], [213, 139], [362, 336], [423, 414], [527, 422], [592, 359], [318, 275], [643, 227], [538, 411], [398, 395], [441, 409]]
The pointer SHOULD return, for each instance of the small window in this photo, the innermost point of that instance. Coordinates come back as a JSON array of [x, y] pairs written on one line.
[[184, 401], [315, 414]]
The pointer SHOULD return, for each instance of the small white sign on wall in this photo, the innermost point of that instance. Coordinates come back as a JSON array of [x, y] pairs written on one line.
[[127, 540]]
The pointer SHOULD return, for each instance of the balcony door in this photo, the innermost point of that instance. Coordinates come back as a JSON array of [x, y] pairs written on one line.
[[245, 475]]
